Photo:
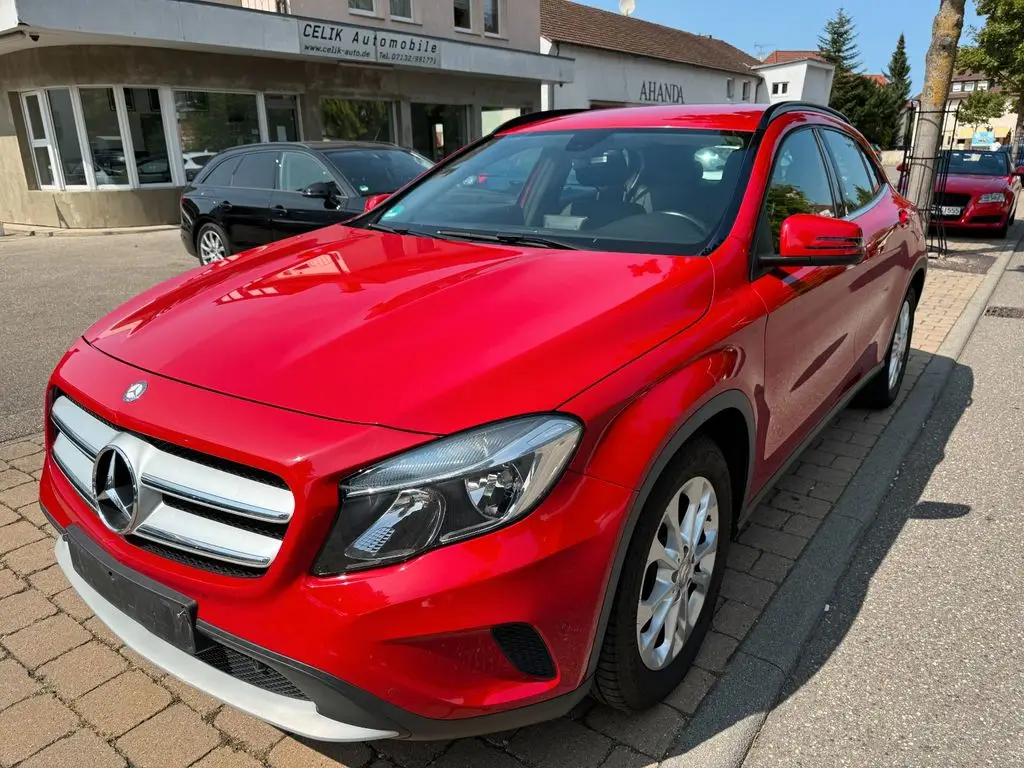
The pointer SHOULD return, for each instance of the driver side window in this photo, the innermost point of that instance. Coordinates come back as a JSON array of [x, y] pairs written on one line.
[[799, 184]]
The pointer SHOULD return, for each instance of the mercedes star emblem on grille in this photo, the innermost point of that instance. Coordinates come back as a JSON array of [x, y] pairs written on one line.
[[135, 391], [117, 493]]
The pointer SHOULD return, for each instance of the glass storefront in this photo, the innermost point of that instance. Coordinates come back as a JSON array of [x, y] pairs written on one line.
[[352, 120], [209, 121], [282, 117], [439, 129]]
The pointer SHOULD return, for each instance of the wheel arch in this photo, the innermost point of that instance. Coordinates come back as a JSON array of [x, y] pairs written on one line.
[[728, 419]]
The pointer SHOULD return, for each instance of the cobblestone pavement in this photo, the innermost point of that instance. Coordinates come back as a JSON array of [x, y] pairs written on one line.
[[72, 695]]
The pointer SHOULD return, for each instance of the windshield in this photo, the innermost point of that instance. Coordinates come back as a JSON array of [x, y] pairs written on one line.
[[979, 163], [377, 171], [639, 191]]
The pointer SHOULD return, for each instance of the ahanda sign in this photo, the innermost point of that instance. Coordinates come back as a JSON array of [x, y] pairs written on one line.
[[373, 45], [654, 92]]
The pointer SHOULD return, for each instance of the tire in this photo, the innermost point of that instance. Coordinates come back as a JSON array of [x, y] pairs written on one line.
[[207, 250], [626, 678], [883, 389]]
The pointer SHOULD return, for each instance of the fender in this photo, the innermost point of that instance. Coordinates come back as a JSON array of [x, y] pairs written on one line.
[[729, 399]]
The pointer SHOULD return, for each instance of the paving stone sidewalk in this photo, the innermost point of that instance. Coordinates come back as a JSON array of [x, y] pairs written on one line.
[[72, 696]]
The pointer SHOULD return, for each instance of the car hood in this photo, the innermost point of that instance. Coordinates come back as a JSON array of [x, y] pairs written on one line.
[[973, 185], [409, 332]]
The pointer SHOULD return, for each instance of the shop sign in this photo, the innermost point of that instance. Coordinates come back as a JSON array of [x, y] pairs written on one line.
[[336, 41], [656, 92]]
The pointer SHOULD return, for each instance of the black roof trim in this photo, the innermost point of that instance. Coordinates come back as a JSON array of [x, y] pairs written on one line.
[[784, 107], [535, 117]]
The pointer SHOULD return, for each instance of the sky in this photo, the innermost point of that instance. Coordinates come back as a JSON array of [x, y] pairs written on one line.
[[796, 24]]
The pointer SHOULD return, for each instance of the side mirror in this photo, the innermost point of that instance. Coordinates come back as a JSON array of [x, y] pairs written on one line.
[[373, 201], [325, 190], [1020, 171], [817, 241]]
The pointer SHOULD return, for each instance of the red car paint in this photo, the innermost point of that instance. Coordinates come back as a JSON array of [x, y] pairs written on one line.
[[317, 356], [978, 215]]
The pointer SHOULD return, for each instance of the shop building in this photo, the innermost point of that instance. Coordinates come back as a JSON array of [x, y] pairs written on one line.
[[624, 61], [108, 108]]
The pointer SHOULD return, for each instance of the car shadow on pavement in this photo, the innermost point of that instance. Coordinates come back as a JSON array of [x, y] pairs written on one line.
[[901, 506]]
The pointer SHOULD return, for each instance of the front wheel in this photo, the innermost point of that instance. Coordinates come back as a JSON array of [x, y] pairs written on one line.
[[883, 389], [670, 581]]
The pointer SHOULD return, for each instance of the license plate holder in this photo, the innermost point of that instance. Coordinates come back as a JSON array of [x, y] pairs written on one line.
[[169, 615], [948, 210]]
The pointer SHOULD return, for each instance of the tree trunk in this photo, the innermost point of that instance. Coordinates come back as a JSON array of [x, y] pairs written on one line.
[[938, 72]]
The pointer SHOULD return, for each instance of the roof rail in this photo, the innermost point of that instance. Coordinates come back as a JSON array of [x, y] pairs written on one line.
[[782, 107], [535, 117]]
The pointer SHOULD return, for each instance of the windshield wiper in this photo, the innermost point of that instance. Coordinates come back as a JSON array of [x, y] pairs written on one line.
[[537, 241], [389, 230]]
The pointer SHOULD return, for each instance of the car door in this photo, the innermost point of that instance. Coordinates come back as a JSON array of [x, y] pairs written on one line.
[[291, 212], [812, 319], [878, 283], [245, 213]]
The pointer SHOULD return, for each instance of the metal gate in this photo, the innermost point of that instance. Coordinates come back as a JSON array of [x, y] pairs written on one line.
[[933, 214]]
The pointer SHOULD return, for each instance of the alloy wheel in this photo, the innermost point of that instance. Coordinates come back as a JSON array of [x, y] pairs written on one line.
[[678, 573], [211, 247], [900, 339]]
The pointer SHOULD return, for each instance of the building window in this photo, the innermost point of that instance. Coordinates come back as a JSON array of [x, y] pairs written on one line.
[[492, 17], [401, 10], [746, 90], [463, 14], [350, 120], [364, 7], [957, 87], [209, 121], [785, 87], [983, 85], [39, 137], [730, 89], [95, 137], [969, 86]]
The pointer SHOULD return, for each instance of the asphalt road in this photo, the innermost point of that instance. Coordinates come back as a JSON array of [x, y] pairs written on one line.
[[919, 657], [52, 289]]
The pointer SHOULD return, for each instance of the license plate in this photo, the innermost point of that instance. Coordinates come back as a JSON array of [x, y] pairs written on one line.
[[948, 210], [169, 615]]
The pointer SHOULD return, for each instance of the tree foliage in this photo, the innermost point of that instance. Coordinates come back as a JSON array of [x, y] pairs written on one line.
[[897, 91], [867, 105], [981, 107], [998, 50]]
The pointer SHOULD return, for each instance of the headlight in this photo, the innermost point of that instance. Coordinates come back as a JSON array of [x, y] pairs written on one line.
[[451, 489], [992, 197]]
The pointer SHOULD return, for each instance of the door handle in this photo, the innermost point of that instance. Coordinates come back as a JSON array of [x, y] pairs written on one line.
[[226, 205], [279, 209]]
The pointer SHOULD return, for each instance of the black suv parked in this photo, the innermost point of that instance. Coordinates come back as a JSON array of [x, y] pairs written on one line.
[[255, 194]]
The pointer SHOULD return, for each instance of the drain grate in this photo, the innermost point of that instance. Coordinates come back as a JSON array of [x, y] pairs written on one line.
[[1017, 313]]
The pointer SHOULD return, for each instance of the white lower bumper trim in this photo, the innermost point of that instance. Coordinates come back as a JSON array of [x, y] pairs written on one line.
[[298, 717]]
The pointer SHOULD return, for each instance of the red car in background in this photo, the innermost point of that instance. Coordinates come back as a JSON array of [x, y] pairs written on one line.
[[450, 467], [979, 191]]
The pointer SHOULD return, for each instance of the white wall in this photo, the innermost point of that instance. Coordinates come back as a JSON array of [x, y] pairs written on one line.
[[808, 81], [619, 78]]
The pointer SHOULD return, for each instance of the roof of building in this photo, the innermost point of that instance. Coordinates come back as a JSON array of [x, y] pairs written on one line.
[[878, 79], [784, 57], [565, 21]]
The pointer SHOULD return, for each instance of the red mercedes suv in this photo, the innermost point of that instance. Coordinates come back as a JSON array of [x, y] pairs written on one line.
[[481, 451]]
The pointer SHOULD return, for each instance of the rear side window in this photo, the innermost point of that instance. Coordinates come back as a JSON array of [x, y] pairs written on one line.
[[858, 185], [220, 174], [256, 171]]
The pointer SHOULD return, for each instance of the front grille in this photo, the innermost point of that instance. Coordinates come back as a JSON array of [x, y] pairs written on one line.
[[200, 510], [248, 669], [952, 199]]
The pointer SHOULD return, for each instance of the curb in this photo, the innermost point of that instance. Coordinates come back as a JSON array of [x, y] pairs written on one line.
[[730, 718], [20, 230]]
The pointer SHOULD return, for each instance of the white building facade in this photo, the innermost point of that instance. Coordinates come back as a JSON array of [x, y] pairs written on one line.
[[622, 61]]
